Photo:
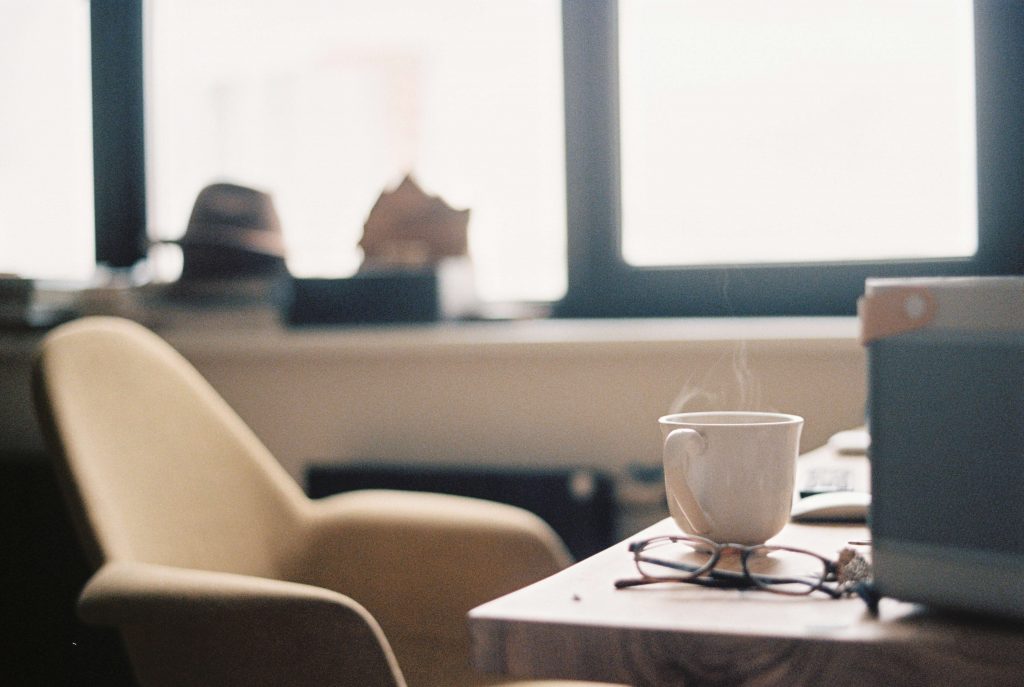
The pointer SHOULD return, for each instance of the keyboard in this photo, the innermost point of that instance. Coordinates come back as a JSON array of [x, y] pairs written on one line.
[[840, 465]]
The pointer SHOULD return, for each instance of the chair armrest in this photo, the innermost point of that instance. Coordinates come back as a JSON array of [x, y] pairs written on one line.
[[419, 562], [184, 626]]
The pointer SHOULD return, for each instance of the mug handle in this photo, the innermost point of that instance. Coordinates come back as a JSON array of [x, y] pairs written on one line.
[[678, 447]]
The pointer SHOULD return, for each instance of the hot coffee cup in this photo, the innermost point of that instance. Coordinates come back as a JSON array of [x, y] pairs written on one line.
[[729, 476]]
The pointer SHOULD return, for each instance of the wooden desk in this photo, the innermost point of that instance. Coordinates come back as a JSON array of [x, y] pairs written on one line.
[[576, 625]]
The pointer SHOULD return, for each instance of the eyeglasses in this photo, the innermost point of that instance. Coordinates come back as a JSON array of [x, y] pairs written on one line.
[[776, 569]]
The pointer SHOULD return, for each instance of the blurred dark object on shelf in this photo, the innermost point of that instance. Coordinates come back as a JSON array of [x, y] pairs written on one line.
[[233, 231], [408, 228]]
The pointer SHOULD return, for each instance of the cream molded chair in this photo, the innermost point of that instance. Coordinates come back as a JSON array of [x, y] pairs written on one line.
[[218, 570]]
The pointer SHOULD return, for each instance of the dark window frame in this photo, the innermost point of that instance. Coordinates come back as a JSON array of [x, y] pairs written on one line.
[[118, 132], [600, 282]]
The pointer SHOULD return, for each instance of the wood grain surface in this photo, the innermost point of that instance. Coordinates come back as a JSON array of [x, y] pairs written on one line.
[[576, 625]]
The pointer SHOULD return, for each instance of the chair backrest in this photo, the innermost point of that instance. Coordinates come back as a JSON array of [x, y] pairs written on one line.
[[158, 468]]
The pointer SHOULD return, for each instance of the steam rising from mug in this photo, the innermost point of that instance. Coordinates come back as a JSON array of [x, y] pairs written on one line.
[[748, 392]]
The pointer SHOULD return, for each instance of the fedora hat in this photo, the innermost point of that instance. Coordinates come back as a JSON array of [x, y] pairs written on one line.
[[236, 218]]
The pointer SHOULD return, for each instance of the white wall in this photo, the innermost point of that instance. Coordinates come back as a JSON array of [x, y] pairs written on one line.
[[547, 392]]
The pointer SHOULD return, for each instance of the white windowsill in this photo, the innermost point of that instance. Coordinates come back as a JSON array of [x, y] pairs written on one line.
[[511, 337]]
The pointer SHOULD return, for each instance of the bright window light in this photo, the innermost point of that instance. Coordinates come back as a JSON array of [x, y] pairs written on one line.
[[46, 206], [327, 103], [797, 130]]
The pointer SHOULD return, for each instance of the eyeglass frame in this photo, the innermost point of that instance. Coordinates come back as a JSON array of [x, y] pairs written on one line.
[[708, 576]]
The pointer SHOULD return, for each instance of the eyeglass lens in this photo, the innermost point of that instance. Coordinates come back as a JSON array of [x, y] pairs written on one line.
[[785, 571], [675, 558]]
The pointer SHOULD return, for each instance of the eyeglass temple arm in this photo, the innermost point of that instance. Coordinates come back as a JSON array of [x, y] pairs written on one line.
[[769, 581], [728, 579], [717, 581], [722, 575]]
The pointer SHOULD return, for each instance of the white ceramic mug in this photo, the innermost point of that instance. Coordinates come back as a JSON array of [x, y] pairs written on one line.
[[729, 476]]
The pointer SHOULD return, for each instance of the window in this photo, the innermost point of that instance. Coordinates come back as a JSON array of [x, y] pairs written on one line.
[[677, 157], [740, 158], [327, 104], [796, 131], [46, 208]]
